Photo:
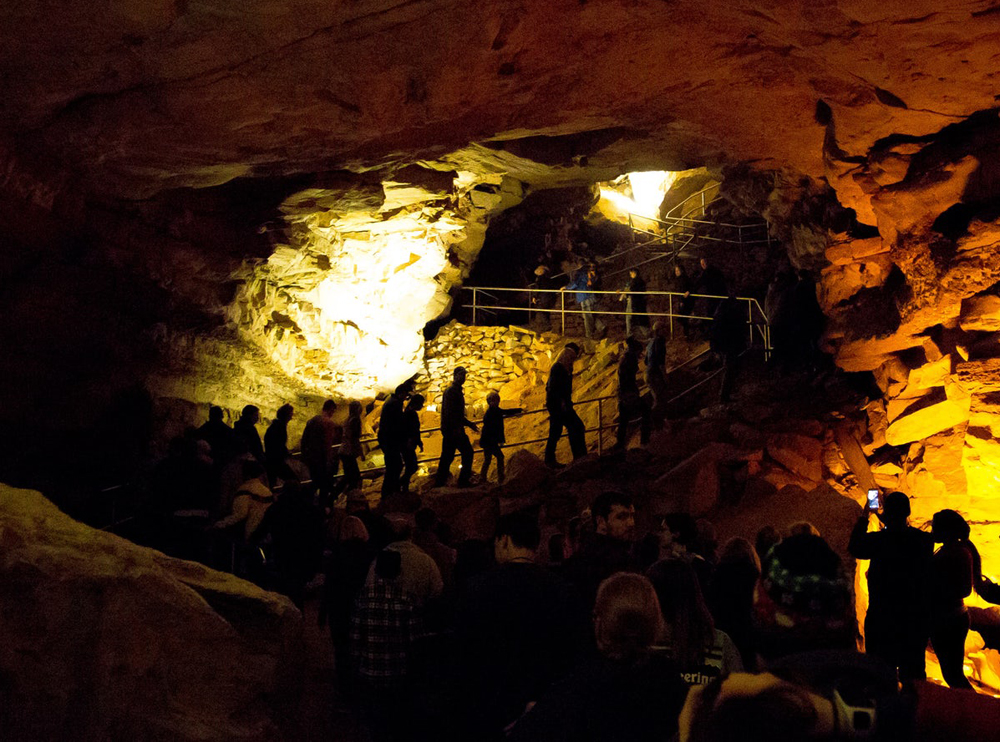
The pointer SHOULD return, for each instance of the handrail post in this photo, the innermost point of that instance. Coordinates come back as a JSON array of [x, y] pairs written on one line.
[[670, 312], [600, 427], [750, 320], [473, 305], [562, 310]]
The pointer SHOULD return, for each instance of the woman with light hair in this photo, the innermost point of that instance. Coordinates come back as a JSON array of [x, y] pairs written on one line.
[[631, 691]]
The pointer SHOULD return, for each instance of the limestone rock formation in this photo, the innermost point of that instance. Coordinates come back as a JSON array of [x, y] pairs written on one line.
[[107, 640]]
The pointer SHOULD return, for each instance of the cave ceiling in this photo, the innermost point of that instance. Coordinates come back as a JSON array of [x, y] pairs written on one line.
[[135, 98]]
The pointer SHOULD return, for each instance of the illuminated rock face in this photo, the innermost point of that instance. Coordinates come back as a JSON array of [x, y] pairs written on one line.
[[342, 305]]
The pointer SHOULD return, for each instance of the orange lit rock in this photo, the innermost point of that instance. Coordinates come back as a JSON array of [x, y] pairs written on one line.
[[799, 454], [979, 377], [926, 421], [981, 313]]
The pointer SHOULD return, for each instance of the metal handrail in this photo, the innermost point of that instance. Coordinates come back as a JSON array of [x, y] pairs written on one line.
[[704, 202]]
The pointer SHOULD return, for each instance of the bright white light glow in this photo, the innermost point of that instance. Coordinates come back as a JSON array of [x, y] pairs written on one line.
[[637, 193]]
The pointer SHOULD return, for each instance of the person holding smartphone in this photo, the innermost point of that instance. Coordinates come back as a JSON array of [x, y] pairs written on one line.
[[896, 626]]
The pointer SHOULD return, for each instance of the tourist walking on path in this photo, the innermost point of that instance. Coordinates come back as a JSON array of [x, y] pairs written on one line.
[[559, 403], [656, 380], [391, 436], [493, 436], [276, 445], [635, 302], [247, 437], [584, 283], [630, 402], [453, 436], [411, 431], [317, 448], [350, 447]]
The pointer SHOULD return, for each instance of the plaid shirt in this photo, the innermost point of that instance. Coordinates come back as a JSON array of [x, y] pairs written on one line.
[[384, 625]]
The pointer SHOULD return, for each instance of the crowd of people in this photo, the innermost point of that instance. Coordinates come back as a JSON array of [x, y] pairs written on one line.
[[607, 633]]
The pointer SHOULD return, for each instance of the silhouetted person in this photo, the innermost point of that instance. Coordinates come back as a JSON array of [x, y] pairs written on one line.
[[611, 548], [635, 302], [559, 403], [631, 691], [318, 438], [346, 571], [731, 596], [183, 480], [896, 627], [680, 283], [296, 530], [493, 436], [630, 402], [780, 316], [425, 535], [656, 380], [350, 447], [728, 341], [247, 437], [276, 444], [584, 283], [453, 436], [219, 436], [806, 321], [411, 428], [701, 651], [711, 282], [392, 437], [766, 539], [519, 629], [954, 571]]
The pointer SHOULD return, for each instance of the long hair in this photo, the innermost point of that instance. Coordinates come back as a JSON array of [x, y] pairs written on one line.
[[948, 526], [690, 629], [627, 618]]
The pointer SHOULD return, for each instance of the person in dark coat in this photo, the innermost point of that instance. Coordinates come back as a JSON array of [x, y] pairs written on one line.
[[955, 569], [896, 627], [611, 548], [346, 571], [630, 692], [276, 444], [630, 402], [453, 436], [681, 284], [559, 403], [219, 436], [635, 302], [296, 530], [411, 427], [730, 596], [711, 282], [728, 341], [392, 437], [519, 629], [493, 436], [316, 446], [656, 380], [247, 437]]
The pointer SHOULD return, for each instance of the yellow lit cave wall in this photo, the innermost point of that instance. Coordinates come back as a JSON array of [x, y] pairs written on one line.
[[341, 304]]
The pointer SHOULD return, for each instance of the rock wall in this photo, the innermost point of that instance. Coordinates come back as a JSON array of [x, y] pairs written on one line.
[[342, 301], [107, 640]]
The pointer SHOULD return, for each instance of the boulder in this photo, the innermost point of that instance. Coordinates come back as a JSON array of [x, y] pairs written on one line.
[[104, 639], [694, 484], [926, 421], [981, 313], [797, 453], [979, 377], [525, 474]]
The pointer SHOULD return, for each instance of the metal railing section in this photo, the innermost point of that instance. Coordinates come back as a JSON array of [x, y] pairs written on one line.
[[756, 318]]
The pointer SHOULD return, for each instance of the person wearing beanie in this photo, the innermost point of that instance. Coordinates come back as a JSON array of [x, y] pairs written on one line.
[[804, 599]]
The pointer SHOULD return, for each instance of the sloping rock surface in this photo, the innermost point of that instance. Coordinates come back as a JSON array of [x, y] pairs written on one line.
[[105, 640]]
